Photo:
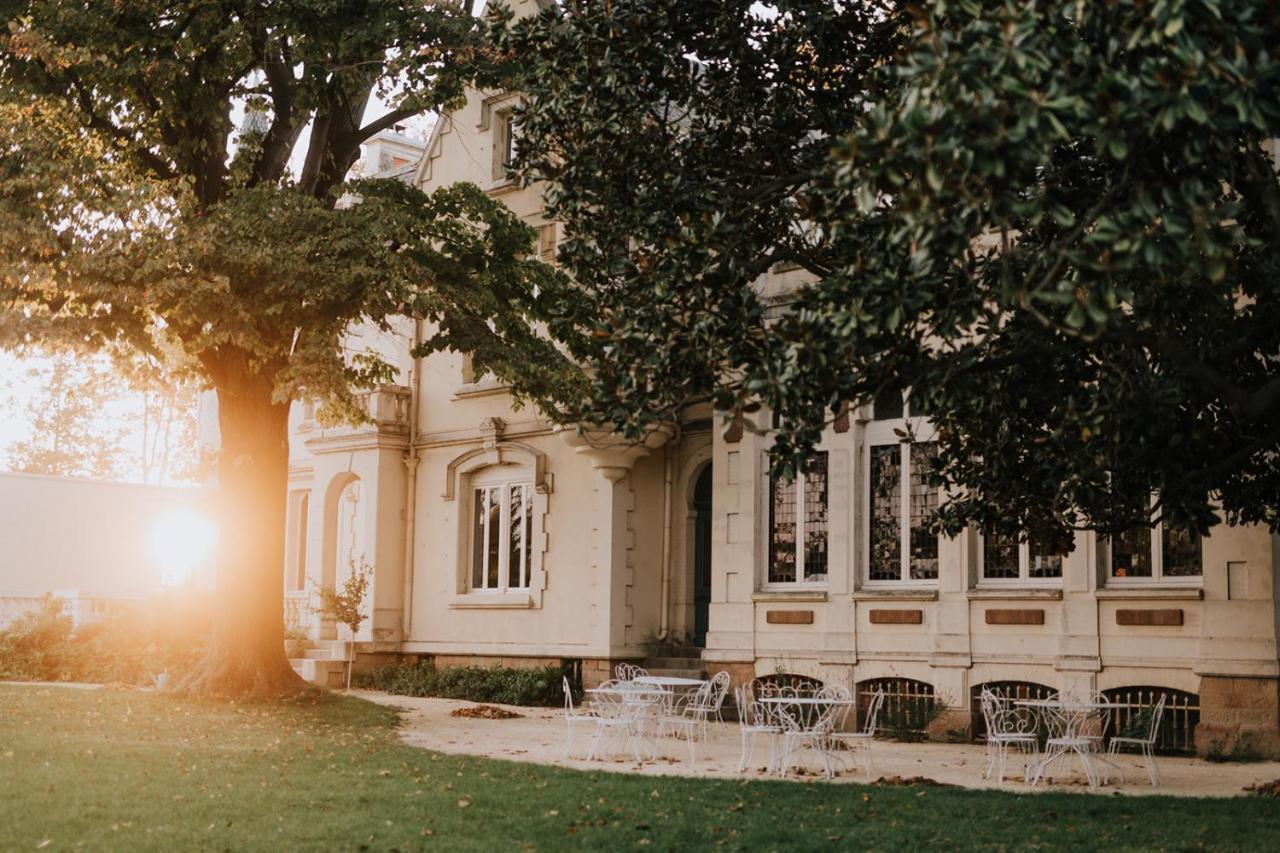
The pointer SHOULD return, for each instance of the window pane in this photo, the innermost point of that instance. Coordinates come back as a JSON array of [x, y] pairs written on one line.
[[300, 570], [886, 513], [924, 500], [493, 532], [815, 518], [1181, 552], [477, 541], [1043, 564], [999, 556], [887, 406], [528, 532], [515, 536], [782, 531], [1131, 553]]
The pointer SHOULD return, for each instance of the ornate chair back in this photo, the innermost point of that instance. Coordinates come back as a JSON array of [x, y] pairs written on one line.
[[1157, 713], [873, 712]]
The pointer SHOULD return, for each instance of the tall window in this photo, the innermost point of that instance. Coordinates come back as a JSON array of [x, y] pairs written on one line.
[[1159, 553], [300, 544], [798, 525], [900, 500], [504, 143], [1005, 559], [501, 524]]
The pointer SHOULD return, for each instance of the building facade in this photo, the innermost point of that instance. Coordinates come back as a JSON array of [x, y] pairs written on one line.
[[495, 537]]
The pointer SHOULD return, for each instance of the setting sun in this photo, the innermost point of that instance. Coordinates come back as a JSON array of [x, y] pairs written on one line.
[[181, 540]]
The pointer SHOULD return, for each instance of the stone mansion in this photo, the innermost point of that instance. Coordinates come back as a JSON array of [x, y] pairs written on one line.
[[495, 537]]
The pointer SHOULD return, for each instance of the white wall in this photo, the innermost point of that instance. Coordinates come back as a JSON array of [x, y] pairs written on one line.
[[63, 534]]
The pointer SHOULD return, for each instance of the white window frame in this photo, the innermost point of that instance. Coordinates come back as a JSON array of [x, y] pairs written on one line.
[[884, 434], [801, 582], [1024, 578], [1157, 564], [502, 483]]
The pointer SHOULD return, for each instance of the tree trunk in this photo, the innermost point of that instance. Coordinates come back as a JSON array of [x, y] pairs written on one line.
[[245, 655]]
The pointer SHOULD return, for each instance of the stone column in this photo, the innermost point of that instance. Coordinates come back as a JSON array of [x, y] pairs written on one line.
[[612, 458]]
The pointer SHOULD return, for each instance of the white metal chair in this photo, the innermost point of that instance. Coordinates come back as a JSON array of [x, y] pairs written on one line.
[[687, 716], [572, 716], [629, 671], [1146, 743], [1076, 727], [813, 730], [1008, 727], [755, 718], [862, 738], [719, 690], [620, 711]]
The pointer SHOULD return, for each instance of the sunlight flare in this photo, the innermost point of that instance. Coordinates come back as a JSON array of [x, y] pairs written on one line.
[[180, 541]]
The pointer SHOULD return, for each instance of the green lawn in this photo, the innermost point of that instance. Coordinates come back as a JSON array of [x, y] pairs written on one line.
[[110, 770]]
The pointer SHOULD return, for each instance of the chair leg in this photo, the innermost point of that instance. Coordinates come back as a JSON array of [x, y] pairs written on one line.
[[745, 757], [1149, 757]]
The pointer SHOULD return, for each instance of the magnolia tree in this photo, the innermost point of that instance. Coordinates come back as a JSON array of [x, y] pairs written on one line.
[[135, 214], [1057, 225]]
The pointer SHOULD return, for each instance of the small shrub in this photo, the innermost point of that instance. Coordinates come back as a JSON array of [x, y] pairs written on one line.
[[503, 685], [909, 720], [131, 645], [37, 645]]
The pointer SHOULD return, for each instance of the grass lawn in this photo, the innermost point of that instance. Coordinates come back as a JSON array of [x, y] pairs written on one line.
[[113, 770]]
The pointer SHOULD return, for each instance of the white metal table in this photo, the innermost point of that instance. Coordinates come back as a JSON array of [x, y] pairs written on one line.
[[805, 725], [669, 684], [1071, 717], [625, 710]]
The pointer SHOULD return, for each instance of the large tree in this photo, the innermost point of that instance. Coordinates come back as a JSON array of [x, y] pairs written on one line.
[[134, 208], [1057, 224]]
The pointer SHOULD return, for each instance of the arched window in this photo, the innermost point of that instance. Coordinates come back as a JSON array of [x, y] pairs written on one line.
[[1177, 726], [909, 706], [300, 543], [1011, 690], [501, 506]]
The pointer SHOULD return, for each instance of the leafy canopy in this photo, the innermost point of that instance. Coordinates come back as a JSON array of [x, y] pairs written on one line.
[[136, 208], [1056, 224]]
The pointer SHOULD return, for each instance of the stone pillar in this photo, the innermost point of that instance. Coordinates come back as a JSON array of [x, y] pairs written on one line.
[[612, 458], [1239, 715]]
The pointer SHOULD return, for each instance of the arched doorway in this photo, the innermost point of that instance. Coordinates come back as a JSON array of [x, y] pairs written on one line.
[[701, 556]]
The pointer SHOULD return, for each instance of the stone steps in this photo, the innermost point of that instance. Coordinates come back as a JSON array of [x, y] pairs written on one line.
[[325, 673]]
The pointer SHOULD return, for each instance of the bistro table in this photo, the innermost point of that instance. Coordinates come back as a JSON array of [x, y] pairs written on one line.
[[668, 684], [810, 721], [628, 710], [1072, 729]]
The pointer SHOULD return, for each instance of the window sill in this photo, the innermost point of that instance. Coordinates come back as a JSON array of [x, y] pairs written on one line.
[[492, 601], [480, 389], [1015, 593], [778, 595], [1134, 593], [899, 594]]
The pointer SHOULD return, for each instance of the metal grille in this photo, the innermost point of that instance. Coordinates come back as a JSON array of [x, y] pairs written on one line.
[[908, 708], [1012, 690], [1177, 726], [802, 683]]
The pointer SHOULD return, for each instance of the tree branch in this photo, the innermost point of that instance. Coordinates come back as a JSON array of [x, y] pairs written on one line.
[[382, 123]]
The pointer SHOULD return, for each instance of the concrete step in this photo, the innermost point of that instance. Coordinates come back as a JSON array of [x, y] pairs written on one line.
[[674, 663], [326, 673], [678, 672], [676, 652]]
